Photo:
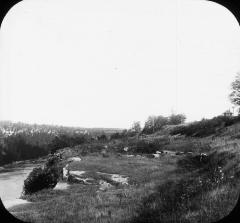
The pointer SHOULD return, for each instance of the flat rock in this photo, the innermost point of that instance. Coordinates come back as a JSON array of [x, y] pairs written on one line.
[[77, 173], [157, 155], [74, 159], [61, 186]]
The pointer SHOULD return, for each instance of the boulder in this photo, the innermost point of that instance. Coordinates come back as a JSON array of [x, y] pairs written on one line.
[[75, 179], [74, 159], [104, 185], [129, 156], [76, 173], [157, 155], [125, 149], [119, 179], [65, 172], [61, 186]]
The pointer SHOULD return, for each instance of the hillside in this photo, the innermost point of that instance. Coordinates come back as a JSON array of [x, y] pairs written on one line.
[[160, 177]]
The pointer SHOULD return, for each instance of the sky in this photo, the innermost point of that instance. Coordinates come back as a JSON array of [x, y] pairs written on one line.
[[108, 63]]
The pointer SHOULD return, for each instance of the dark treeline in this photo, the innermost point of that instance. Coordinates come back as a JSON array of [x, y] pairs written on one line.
[[19, 147], [16, 148], [20, 141]]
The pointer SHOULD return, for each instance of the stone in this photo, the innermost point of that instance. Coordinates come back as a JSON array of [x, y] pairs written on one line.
[[61, 186], [75, 179], [76, 172], [125, 149], [119, 179], [74, 159], [65, 172], [104, 185], [157, 155], [129, 156]]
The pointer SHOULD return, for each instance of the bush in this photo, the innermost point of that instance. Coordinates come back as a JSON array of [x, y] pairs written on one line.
[[142, 146], [44, 178], [39, 179]]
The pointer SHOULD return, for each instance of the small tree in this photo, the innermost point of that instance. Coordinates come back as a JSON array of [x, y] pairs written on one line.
[[149, 126], [235, 94], [177, 119], [160, 121], [136, 127]]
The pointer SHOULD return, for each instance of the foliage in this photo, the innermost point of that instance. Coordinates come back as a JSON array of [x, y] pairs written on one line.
[[205, 127], [39, 179], [43, 178], [65, 140], [235, 94], [136, 127], [156, 123], [16, 148], [176, 119], [102, 137], [20, 141]]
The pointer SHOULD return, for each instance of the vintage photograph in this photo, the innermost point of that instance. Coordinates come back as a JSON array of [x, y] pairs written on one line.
[[119, 111]]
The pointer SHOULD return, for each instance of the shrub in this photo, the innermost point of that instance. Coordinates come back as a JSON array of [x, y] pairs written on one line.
[[39, 179], [43, 178], [142, 146]]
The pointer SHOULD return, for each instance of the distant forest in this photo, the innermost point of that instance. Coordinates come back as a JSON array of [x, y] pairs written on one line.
[[20, 141]]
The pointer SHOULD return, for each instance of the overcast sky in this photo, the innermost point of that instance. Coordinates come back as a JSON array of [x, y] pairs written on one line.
[[107, 63]]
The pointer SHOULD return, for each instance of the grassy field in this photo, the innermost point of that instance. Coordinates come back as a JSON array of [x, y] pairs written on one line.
[[184, 188]]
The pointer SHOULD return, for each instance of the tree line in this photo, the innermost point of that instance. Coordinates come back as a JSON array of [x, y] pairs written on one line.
[[156, 123]]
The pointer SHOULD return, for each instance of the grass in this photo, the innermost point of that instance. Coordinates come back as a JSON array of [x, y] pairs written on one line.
[[168, 189], [83, 203]]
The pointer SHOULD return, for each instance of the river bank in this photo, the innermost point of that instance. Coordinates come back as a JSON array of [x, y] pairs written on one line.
[[12, 177]]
